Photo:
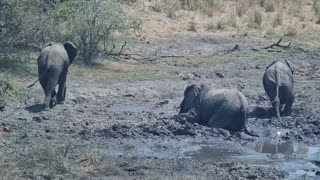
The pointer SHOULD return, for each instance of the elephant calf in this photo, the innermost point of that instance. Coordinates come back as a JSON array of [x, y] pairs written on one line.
[[278, 84], [53, 63], [222, 108]]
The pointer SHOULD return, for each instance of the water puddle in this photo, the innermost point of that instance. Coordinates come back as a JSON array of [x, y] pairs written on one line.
[[294, 158]]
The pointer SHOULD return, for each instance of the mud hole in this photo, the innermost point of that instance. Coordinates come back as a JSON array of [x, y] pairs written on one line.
[[128, 130]]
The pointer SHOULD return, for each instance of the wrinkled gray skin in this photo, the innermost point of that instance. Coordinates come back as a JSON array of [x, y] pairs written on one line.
[[222, 108], [53, 63], [278, 84]]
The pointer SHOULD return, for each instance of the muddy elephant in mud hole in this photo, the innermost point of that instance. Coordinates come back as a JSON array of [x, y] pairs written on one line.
[[222, 108], [53, 64], [278, 83]]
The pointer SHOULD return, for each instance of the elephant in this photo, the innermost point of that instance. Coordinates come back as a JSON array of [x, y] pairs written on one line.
[[53, 64], [278, 83], [220, 108]]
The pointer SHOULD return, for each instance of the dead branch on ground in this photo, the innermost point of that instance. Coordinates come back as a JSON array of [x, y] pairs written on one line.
[[277, 44]]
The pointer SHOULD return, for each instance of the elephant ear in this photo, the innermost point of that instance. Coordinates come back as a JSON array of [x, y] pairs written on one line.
[[48, 44], [71, 50], [270, 65], [290, 65], [196, 91]]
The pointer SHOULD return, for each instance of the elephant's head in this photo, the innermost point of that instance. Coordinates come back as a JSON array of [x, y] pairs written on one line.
[[290, 65], [191, 98], [71, 50]]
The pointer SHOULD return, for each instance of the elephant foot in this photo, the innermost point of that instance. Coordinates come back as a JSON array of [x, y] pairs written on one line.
[[53, 103], [60, 102], [287, 113], [46, 108]]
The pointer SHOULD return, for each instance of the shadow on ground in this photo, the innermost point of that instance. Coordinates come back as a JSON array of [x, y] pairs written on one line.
[[35, 108]]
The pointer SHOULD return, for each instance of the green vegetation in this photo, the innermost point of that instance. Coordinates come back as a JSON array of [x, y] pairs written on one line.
[[91, 25], [9, 89]]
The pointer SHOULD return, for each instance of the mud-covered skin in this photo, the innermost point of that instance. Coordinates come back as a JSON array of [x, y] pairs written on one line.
[[219, 108], [279, 85]]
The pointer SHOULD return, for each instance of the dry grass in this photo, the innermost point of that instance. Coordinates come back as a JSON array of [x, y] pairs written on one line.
[[163, 18], [192, 26], [255, 19], [269, 6]]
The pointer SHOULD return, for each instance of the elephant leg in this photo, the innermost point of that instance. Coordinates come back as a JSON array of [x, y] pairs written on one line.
[[219, 119], [62, 89], [288, 107], [276, 107], [50, 87], [53, 100], [190, 116]]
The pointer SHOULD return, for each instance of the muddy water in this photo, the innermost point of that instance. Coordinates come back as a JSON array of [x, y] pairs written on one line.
[[297, 160]]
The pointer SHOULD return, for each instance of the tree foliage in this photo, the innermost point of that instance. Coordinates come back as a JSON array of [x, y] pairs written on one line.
[[90, 24]]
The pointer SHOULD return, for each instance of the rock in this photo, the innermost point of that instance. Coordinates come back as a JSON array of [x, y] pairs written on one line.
[[162, 103], [37, 118], [197, 75], [79, 100], [258, 67], [7, 130], [189, 76], [2, 108], [219, 74], [210, 76]]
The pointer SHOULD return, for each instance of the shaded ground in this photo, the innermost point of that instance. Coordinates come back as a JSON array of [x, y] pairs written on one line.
[[120, 129]]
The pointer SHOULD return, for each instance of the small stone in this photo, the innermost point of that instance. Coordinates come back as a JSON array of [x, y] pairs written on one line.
[[38, 119], [22, 118], [189, 76], [47, 130], [258, 67], [219, 74], [6, 129]]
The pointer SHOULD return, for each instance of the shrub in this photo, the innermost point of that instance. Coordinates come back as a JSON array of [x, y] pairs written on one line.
[[269, 6], [192, 26], [255, 19], [278, 19]]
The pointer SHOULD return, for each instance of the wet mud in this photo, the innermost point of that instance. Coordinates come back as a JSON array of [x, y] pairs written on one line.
[[134, 128]]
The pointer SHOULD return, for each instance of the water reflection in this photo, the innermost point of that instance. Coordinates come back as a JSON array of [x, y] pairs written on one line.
[[284, 148]]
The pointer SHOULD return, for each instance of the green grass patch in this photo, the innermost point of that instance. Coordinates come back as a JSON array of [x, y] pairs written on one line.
[[10, 89], [16, 64]]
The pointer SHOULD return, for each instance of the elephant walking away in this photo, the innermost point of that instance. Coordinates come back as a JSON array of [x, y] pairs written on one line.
[[279, 85], [53, 64], [219, 108]]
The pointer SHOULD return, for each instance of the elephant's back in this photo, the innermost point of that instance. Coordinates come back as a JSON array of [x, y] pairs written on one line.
[[231, 98], [228, 109], [281, 70]]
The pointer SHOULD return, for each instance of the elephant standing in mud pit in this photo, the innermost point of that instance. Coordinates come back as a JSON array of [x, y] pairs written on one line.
[[53, 64], [278, 84], [222, 108]]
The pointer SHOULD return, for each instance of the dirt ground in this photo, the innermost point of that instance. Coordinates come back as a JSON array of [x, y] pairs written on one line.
[[118, 122]]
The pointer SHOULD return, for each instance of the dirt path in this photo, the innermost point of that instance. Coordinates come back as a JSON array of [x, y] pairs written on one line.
[[126, 130]]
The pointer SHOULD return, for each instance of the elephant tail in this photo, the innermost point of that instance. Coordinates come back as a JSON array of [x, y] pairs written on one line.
[[277, 78], [31, 85], [245, 113]]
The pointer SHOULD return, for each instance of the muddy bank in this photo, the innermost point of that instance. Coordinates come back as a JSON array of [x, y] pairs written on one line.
[[127, 129]]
